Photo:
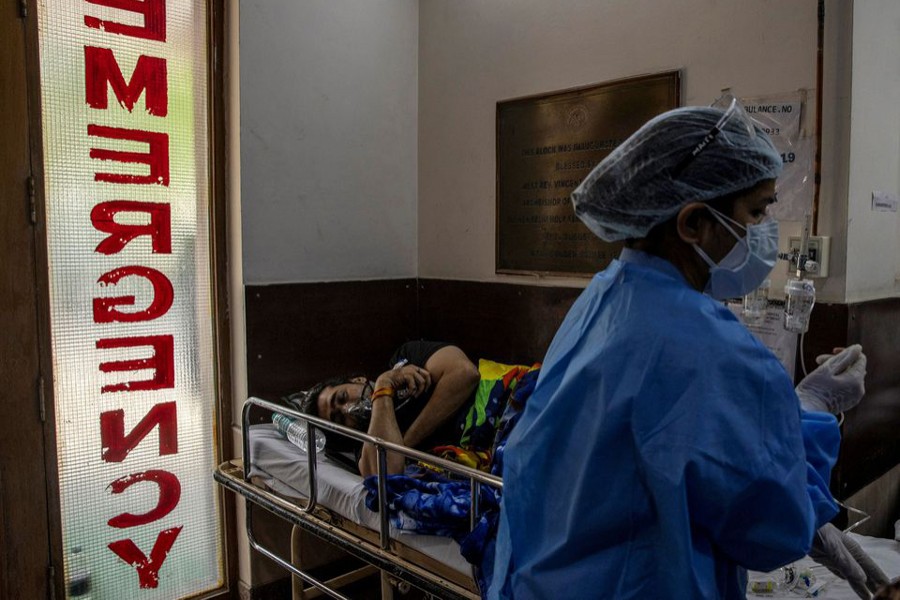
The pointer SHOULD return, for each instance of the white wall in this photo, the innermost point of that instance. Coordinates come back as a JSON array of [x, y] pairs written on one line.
[[328, 139], [836, 92], [473, 53], [368, 134], [873, 238], [368, 125]]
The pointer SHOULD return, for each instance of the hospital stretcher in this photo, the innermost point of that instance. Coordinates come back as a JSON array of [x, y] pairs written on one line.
[[323, 498]]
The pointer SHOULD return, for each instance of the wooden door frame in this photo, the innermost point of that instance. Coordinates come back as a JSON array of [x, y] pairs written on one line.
[[27, 370], [220, 274], [218, 252]]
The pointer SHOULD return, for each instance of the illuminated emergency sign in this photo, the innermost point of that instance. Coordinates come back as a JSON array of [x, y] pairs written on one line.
[[124, 98]]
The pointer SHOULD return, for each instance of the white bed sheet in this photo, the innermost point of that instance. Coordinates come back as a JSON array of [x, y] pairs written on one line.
[[885, 552], [283, 467]]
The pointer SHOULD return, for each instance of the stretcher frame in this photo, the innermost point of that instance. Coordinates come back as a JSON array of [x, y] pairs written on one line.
[[390, 556]]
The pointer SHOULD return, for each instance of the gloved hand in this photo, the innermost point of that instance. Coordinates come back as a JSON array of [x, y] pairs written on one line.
[[838, 384], [843, 556]]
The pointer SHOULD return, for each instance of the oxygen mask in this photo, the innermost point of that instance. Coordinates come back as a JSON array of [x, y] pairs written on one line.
[[361, 410]]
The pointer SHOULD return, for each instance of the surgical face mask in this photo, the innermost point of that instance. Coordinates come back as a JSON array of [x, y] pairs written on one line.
[[749, 262]]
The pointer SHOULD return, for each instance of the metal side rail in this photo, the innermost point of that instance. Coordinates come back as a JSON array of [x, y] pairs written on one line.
[[234, 475]]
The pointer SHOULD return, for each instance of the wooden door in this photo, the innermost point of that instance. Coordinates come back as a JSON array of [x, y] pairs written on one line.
[[26, 494]]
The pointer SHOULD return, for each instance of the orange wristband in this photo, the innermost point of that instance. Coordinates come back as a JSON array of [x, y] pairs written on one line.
[[381, 392]]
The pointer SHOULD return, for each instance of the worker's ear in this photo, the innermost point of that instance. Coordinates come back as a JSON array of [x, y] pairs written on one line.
[[359, 379], [692, 223]]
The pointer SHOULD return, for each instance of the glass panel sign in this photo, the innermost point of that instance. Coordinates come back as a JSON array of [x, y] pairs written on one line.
[[124, 96]]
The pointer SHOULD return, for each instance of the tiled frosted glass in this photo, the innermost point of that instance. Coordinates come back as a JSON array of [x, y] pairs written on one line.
[[92, 509]]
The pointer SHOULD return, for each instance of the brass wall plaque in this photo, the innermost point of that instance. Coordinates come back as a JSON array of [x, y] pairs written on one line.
[[546, 145]]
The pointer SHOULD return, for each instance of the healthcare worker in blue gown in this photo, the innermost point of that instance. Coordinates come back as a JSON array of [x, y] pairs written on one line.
[[664, 450]]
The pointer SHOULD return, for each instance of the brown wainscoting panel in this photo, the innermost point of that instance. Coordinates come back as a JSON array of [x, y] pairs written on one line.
[[870, 445], [503, 322], [827, 330], [298, 334]]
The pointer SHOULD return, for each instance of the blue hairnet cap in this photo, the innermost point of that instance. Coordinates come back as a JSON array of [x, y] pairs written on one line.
[[650, 176]]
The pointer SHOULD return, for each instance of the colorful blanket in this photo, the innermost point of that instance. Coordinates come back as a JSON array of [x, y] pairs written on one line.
[[497, 384]]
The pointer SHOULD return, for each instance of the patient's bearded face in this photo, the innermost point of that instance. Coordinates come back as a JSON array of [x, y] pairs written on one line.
[[343, 404]]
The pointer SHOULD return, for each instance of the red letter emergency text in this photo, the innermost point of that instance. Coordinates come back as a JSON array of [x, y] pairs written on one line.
[[162, 362], [105, 310], [157, 158], [169, 494], [153, 11], [115, 445], [102, 70], [103, 216], [147, 568]]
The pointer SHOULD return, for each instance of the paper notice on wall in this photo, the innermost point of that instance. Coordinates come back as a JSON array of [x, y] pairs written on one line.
[[771, 332], [885, 201], [781, 117]]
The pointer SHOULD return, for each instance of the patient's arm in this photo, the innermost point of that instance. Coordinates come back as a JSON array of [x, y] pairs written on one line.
[[383, 424], [454, 378]]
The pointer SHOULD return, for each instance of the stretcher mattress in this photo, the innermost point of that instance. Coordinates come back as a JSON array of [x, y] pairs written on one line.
[[283, 467]]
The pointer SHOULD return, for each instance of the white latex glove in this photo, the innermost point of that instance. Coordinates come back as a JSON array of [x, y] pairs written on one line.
[[843, 556], [838, 384]]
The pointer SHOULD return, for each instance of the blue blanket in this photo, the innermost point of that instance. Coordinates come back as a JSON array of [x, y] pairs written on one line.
[[425, 502]]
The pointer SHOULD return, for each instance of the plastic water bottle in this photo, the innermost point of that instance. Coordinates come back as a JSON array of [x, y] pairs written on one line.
[[79, 576], [295, 432]]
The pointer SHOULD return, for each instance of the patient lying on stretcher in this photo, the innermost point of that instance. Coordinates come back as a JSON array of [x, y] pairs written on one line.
[[420, 402]]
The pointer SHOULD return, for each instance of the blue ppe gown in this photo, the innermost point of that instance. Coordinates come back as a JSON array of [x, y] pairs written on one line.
[[662, 453]]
